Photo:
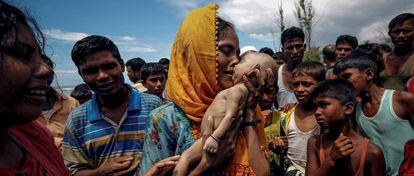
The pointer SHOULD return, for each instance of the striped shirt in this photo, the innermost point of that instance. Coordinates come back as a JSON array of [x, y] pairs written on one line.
[[91, 139]]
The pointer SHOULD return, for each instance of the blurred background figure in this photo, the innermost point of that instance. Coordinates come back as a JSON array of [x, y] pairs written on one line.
[[82, 93], [165, 62], [133, 67]]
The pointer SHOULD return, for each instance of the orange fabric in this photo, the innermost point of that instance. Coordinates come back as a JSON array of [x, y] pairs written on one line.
[[59, 115], [192, 77], [364, 147]]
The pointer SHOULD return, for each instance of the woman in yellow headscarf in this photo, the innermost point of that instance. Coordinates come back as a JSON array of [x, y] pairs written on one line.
[[203, 56]]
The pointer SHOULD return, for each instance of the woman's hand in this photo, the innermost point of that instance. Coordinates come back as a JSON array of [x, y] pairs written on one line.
[[256, 84], [163, 166]]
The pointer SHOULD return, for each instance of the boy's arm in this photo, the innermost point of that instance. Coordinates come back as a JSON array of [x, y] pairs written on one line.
[[405, 105], [375, 162], [312, 164]]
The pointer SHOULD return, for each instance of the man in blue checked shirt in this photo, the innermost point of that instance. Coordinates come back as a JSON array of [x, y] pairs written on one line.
[[105, 135]]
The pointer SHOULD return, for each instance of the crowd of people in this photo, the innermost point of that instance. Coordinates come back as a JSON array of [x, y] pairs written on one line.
[[212, 108]]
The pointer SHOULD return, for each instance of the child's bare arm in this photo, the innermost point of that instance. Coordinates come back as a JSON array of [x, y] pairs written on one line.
[[375, 162], [312, 164], [342, 147], [233, 101]]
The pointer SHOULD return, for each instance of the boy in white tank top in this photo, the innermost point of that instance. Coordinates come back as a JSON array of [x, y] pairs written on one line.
[[299, 123], [382, 115]]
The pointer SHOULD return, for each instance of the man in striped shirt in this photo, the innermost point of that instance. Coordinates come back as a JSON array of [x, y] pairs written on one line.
[[105, 135]]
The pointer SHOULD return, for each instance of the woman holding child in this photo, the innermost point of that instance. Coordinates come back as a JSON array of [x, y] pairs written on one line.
[[204, 53]]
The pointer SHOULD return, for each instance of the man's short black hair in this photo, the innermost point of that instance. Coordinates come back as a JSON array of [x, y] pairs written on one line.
[[151, 68], [360, 60], [347, 39], [339, 89], [91, 45], [267, 51], [291, 33], [311, 68], [280, 56], [135, 63], [399, 19], [164, 61]]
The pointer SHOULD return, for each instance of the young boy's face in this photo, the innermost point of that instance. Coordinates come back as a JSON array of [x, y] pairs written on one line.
[[329, 111], [269, 96], [357, 77], [303, 86], [155, 84]]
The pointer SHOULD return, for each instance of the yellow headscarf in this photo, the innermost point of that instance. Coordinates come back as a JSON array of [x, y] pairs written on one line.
[[192, 76], [192, 81]]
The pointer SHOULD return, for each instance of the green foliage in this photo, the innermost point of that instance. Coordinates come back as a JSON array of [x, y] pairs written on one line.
[[313, 54]]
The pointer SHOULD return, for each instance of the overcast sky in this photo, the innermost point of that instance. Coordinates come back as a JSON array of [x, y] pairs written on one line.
[[147, 28]]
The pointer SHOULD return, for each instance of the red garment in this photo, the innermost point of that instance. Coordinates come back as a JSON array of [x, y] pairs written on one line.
[[410, 85], [407, 166], [42, 157]]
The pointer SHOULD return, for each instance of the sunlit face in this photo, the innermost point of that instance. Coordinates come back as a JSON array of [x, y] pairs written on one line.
[[228, 52], [294, 50], [303, 86], [155, 84], [357, 77], [24, 76], [102, 73], [402, 35], [342, 50]]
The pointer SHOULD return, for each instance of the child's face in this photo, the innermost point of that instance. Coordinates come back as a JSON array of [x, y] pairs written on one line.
[[329, 111], [240, 69], [356, 77], [303, 86], [268, 98], [155, 84]]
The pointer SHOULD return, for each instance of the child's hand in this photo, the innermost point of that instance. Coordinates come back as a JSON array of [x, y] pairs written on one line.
[[211, 145], [278, 144], [342, 147]]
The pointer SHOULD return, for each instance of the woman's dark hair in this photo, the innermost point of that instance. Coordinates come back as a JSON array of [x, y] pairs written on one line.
[[222, 26], [10, 19]]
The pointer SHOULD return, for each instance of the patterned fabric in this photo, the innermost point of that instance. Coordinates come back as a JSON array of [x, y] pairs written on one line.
[[168, 133], [42, 156], [58, 116], [91, 139]]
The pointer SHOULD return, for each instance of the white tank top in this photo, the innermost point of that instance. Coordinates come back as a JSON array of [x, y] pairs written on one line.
[[297, 143], [284, 95]]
